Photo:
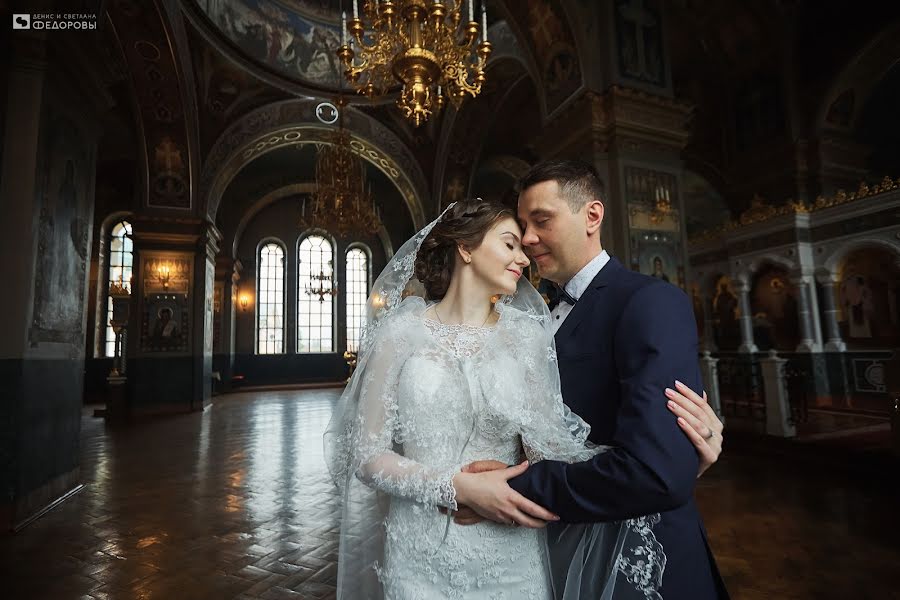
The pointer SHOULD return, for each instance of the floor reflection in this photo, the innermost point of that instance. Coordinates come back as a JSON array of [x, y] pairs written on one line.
[[236, 502]]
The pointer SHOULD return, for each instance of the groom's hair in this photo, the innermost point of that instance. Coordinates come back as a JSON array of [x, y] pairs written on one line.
[[578, 181]]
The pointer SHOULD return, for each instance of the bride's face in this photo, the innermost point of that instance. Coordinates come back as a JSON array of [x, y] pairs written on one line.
[[499, 260]]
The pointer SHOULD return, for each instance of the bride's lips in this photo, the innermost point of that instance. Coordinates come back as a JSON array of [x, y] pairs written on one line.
[[516, 273]]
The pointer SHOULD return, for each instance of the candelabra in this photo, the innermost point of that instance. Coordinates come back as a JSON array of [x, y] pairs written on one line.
[[342, 203], [425, 46]]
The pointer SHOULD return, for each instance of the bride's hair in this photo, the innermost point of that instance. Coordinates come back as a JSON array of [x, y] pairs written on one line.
[[466, 225]]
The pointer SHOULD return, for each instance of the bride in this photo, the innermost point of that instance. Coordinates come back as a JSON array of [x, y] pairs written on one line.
[[461, 371]]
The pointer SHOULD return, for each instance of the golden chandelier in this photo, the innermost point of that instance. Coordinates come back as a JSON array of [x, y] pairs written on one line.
[[342, 203], [421, 44]]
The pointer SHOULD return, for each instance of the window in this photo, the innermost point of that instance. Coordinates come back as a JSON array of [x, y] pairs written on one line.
[[121, 255], [356, 293], [315, 303], [270, 300]]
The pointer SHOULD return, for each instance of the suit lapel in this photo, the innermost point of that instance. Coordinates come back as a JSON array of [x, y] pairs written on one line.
[[590, 295]]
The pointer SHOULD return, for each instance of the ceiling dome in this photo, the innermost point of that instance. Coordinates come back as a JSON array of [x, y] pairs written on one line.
[[297, 39]]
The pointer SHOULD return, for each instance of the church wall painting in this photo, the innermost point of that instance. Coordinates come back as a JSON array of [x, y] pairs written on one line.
[[165, 315], [725, 314], [655, 224], [547, 28], [868, 299], [774, 310], [297, 38], [639, 38], [63, 236]]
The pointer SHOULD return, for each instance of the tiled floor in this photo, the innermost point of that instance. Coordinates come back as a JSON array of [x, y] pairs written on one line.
[[236, 503]]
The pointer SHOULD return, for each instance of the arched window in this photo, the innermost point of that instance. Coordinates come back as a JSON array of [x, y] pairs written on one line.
[[315, 300], [356, 293], [121, 256], [270, 299]]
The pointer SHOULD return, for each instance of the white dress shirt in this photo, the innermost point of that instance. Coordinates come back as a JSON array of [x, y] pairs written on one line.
[[576, 286]]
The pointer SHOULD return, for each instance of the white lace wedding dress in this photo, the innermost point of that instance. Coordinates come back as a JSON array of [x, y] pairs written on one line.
[[427, 399]]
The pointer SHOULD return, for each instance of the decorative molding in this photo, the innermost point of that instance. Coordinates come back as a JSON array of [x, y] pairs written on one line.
[[760, 212], [293, 122]]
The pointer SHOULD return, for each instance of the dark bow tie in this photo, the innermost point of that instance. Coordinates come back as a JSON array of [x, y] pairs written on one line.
[[562, 296]]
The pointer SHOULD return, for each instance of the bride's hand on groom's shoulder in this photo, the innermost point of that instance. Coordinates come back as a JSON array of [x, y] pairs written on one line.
[[488, 494], [699, 422]]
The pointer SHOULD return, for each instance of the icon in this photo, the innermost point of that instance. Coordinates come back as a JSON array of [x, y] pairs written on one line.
[[21, 21]]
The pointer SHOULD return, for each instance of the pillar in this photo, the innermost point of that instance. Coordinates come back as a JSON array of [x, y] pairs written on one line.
[[778, 408], [742, 287], [804, 314], [710, 371], [833, 341]]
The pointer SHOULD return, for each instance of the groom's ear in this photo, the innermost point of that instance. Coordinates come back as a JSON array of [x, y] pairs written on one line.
[[593, 216]]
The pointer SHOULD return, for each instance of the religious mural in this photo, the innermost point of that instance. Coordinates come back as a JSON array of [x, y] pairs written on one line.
[[640, 41], [299, 39], [726, 314], [868, 294], [655, 224], [773, 304], [164, 326], [546, 26], [166, 284], [64, 223]]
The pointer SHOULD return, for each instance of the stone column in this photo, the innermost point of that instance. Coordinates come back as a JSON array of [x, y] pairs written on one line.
[[710, 371], [748, 345], [778, 408], [833, 341], [807, 336], [178, 377]]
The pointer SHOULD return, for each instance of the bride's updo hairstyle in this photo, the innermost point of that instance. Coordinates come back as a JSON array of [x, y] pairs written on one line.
[[465, 225]]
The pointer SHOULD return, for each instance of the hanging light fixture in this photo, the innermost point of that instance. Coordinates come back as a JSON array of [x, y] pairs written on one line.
[[343, 203], [424, 46]]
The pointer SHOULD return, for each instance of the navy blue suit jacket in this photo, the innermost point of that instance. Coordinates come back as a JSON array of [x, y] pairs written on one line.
[[628, 338]]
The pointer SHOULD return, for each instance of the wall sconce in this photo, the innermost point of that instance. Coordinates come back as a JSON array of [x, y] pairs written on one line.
[[163, 273], [244, 301]]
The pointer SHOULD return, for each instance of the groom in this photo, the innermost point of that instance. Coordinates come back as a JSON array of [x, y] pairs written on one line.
[[621, 338]]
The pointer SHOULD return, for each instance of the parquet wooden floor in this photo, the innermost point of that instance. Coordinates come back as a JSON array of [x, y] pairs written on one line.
[[236, 503]]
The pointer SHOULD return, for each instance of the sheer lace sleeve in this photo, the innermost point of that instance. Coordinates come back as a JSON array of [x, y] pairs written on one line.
[[549, 430], [379, 464]]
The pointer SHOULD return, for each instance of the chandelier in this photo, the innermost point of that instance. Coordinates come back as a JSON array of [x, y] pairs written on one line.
[[324, 284], [420, 44], [341, 204]]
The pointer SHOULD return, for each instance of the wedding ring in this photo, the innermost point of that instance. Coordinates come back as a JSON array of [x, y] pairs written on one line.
[[710, 436]]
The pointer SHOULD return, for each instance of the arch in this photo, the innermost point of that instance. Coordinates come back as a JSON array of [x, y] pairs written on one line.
[[462, 134], [284, 192], [835, 259], [755, 265], [860, 76], [271, 293], [293, 122]]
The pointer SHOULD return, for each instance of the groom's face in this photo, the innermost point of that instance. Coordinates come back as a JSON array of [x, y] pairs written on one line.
[[553, 236]]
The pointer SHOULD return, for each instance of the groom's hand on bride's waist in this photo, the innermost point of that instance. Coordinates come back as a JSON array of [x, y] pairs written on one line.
[[488, 493], [465, 515]]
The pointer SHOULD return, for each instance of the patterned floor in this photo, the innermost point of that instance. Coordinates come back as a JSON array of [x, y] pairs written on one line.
[[236, 503]]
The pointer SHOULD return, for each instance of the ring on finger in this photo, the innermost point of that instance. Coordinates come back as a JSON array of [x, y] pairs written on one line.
[[709, 435]]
